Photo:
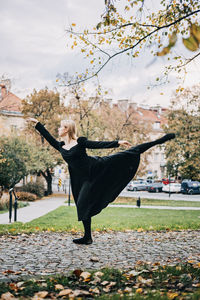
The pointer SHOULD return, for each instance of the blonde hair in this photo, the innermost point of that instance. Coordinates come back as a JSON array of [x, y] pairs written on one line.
[[71, 126]]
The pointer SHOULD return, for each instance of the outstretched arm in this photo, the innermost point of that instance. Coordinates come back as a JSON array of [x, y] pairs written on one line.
[[53, 142], [100, 144]]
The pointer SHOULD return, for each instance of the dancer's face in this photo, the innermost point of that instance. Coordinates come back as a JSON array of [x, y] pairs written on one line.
[[62, 130]]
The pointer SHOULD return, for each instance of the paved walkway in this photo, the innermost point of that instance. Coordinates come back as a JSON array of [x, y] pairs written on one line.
[[54, 252], [48, 253], [34, 210], [41, 207]]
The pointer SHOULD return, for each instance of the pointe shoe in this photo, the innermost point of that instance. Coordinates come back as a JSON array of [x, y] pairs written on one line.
[[83, 241]]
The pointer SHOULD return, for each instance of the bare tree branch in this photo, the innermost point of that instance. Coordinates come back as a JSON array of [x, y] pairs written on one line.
[[189, 60], [134, 46]]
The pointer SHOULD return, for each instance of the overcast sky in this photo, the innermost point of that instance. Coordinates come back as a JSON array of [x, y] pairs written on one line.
[[34, 49]]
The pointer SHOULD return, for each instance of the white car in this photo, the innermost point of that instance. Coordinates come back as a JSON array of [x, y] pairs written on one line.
[[172, 188]]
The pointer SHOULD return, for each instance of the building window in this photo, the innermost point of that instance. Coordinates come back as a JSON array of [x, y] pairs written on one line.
[[156, 125], [13, 128], [156, 155]]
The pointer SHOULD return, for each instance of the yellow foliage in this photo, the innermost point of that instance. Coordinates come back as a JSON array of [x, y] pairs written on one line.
[[191, 43]]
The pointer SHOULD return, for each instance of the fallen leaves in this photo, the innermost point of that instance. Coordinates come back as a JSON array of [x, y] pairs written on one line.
[[7, 296], [59, 287], [65, 292], [40, 295], [172, 295], [174, 282], [85, 275]]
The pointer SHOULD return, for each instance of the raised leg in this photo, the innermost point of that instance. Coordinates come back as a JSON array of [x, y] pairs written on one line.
[[144, 147], [87, 238]]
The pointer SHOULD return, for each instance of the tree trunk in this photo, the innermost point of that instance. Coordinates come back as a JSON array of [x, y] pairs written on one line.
[[48, 178], [49, 185]]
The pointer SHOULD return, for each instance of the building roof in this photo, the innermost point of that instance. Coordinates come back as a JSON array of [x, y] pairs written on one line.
[[11, 103], [152, 115]]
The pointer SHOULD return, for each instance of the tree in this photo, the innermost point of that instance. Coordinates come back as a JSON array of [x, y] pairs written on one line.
[[183, 153], [97, 120], [128, 27], [19, 158], [14, 162], [46, 107]]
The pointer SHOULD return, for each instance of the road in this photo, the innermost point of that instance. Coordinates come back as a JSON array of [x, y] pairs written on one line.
[[162, 196], [144, 194]]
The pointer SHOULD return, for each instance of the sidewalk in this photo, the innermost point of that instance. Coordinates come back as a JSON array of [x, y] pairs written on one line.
[[41, 207], [34, 210]]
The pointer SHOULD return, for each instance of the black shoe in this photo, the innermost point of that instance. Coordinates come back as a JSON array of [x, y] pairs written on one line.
[[166, 138], [83, 241]]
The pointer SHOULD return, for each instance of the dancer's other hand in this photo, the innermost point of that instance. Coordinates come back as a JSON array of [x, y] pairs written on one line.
[[124, 143], [32, 120]]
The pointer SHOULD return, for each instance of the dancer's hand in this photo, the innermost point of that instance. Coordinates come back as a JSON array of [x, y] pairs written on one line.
[[32, 120], [124, 143]]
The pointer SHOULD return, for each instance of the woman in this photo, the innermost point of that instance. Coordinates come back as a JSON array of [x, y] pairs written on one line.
[[95, 181]]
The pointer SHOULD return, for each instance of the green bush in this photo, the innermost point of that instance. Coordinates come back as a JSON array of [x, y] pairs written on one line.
[[34, 188], [26, 196], [5, 201]]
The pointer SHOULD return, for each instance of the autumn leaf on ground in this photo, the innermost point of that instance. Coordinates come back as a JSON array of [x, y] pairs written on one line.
[[172, 295], [140, 230], [7, 296], [65, 292], [85, 275], [99, 274], [139, 291], [8, 272], [40, 295], [105, 282], [95, 290], [127, 290], [77, 272], [59, 287]]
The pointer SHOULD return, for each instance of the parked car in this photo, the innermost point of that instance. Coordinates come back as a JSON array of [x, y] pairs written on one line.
[[155, 187], [190, 187], [137, 186], [172, 188]]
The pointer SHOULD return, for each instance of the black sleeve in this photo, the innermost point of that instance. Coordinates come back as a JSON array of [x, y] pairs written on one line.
[[84, 142], [47, 136]]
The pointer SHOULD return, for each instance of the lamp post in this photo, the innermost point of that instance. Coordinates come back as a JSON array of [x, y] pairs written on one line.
[[15, 207], [169, 186], [11, 191], [10, 205], [69, 192], [138, 202]]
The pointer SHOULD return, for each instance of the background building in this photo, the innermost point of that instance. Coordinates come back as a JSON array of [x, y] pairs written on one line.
[[11, 117]]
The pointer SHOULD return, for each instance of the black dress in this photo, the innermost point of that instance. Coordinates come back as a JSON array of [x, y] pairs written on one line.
[[95, 181]]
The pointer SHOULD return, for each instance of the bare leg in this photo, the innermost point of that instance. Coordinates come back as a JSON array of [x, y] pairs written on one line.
[[87, 238]]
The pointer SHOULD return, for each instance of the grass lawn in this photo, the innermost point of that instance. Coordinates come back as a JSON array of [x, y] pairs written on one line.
[[64, 218], [156, 202], [153, 202]]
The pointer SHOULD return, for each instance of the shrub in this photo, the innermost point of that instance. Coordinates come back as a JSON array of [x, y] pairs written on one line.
[[25, 196], [34, 188], [4, 201]]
